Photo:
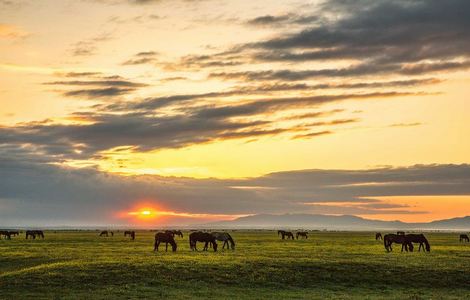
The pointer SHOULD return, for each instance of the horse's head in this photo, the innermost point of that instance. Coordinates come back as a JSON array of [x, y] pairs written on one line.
[[174, 246]]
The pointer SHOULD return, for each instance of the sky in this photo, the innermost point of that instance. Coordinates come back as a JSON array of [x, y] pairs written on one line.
[[194, 111]]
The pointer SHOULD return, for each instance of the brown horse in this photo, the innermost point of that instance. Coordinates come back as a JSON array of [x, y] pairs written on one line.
[[464, 238], [104, 233], [378, 236], [34, 233], [175, 232], [285, 234], [130, 233], [303, 234], [204, 237], [389, 239], [418, 238], [6, 234], [163, 237]]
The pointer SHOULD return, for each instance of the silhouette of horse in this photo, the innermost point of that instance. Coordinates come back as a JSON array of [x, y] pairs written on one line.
[[6, 234], [104, 233], [204, 237], [464, 238], [34, 233], [303, 234], [224, 237], [175, 232], [130, 233], [389, 239], [418, 238], [400, 233], [164, 237], [13, 233], [285, 234], [378, 236]]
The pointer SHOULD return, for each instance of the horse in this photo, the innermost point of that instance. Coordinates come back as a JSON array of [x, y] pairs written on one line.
[[130, 233], [6, 234], [463, 238], [378, 236], [303, 234], [13, 233], [34, 233], [389, 239], [175, 232], [285, 233], [400, 233], [104, 233], [204, 237], [163, 237], [224, 237], [418, 238]]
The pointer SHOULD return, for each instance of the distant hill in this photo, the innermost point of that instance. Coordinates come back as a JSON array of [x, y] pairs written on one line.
[[344, 222]]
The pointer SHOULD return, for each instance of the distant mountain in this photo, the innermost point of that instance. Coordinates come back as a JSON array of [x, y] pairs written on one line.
[[344, 222]]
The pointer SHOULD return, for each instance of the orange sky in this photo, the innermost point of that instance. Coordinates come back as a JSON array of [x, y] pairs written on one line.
[[176, 89]]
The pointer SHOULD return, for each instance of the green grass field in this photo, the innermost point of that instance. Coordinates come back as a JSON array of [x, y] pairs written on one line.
[[81, 265]]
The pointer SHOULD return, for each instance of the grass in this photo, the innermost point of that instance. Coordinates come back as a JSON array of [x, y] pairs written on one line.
[[344, 265]]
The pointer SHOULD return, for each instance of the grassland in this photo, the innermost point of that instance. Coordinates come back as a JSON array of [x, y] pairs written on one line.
[[81, 265]]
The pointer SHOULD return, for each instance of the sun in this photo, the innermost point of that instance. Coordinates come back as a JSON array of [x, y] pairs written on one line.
[[146, 212]]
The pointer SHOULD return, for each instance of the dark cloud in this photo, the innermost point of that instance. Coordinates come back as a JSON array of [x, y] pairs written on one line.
[[99, 92], [33, 193], [279, 20]]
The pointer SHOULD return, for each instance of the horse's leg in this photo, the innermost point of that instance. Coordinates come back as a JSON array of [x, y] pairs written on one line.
[[166, 246]]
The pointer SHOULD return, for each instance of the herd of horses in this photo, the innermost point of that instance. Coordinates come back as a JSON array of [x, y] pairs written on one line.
[[405, 240], [210, 238], [289, 235]]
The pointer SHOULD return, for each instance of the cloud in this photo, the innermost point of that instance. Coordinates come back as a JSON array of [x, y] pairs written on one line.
[[147, 57], [88, 47], [8, 31], [279, 20], [33, 192]]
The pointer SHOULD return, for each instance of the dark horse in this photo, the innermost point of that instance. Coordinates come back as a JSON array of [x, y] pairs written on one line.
[[226, 238], [389, 239], [163, 237], [378, 236], [204, 237], [6, 234], [130, 233], [175, 232], [105, 233], [34, 233], [303, 234], [463, 238], [285, 234], [418, 238]]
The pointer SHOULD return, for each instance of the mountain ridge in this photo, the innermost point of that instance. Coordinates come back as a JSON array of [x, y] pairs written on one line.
[[343, 222]]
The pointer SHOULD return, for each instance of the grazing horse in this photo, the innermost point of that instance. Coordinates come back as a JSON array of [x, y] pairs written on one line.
[[104, 233], [378, 236], [6, 234], [464, 238], [303, 234], [163, 237], [175, 232], [34, 233], [130, 233], [224, 237], [389, 239], [204, 237], [418, 238], [285, 233]]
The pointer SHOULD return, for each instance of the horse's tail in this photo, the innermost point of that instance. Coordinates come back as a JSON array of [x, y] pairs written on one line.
[[155, 244], [232, 242]]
